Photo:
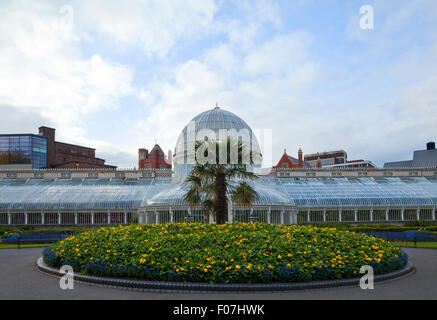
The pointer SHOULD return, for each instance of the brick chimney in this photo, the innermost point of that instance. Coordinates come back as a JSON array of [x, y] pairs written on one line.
[[142, 154], [170, 157], [299, 153], [155, 157], [49, 133]]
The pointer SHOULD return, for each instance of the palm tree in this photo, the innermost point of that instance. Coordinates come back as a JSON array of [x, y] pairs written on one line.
[[210, 183]]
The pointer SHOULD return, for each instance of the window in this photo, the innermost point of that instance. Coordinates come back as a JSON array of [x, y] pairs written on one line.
[[285, 166]]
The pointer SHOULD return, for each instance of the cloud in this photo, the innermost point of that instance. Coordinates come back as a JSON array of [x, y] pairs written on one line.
[[129, 73], [43, 71], [153, 25], [28, 120], [242, 83]]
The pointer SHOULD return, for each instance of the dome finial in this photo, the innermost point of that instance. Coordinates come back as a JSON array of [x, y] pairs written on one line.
[[216, 106]]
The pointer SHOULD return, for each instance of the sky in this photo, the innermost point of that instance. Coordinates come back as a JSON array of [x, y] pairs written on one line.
[[120, 75]]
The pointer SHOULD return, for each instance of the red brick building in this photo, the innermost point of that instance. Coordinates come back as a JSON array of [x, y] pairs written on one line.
[[289, 162], [65, 155], [155, 159], [335, 159], [326, 158]]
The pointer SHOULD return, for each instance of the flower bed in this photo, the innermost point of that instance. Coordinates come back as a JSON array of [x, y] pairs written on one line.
[[235, 253]]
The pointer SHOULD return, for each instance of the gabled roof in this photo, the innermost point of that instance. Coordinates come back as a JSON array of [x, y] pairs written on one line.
[[296, 161], [158, 149]]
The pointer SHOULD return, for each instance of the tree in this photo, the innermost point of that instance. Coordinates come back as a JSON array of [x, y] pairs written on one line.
[[212, 182]]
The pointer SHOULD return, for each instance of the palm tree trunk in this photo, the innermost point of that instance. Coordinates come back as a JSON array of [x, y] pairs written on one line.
[[220, 197]]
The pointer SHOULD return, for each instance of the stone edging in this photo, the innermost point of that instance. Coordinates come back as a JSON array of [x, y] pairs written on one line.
[[142, 285]]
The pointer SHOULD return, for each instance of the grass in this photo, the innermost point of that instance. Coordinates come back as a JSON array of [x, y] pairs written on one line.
[[32, 245], [410, 244]]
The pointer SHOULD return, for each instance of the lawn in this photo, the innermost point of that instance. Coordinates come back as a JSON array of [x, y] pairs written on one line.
[[410, 244], [32, 245]]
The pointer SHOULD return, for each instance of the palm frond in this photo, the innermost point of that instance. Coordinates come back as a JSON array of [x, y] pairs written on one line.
[[244, 194]]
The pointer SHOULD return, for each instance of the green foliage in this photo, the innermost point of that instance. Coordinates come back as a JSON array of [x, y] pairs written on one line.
[[211, 182], [232, 253]]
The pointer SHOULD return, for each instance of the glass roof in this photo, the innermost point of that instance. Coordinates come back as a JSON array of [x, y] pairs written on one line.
[[352, 192], [215, 119], [94, 194]]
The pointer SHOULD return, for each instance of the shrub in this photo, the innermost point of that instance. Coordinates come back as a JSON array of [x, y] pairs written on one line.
[[234, 253]]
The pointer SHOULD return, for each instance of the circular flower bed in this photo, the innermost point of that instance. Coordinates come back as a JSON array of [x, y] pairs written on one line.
[[234, 253]]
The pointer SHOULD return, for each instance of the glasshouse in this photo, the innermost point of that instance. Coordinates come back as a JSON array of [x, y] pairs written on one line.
[[86, 197]]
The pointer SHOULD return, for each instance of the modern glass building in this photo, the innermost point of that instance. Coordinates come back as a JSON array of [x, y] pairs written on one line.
[[23, 149], [292, 196]]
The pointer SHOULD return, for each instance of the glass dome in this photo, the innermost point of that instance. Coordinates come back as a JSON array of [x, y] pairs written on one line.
[[212, 122]]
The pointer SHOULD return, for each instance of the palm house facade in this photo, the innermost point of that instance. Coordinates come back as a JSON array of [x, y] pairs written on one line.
[[290, 196]]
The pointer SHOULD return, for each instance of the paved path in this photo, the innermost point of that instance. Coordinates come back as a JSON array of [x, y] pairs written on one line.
[[20, 280]]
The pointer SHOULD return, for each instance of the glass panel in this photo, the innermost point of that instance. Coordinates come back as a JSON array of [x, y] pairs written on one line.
[[67, 218], [164, 216], [17, 218], [100, 218], [262, 215], [179, 215], [332, 216], [363, 215], [410, 214], [3, 218], [275, 217], [241, 215], [395, 215], [379, 215], [51, 218], [302, 217], [348, 216], [117, 218], [34, 218], [316, 216], [84, 218], [425, 214]]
